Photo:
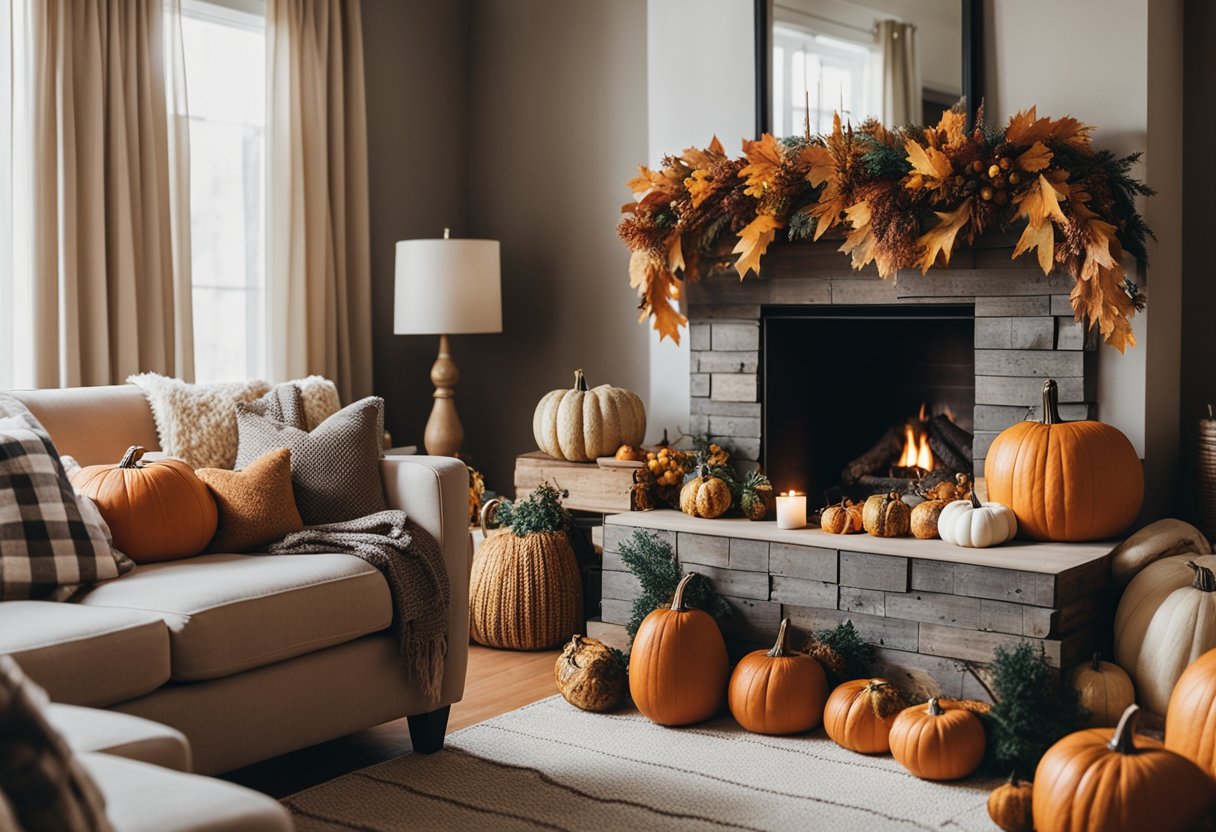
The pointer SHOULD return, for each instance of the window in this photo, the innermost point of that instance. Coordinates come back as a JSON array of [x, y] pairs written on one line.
[[838, 74], [225, 67]]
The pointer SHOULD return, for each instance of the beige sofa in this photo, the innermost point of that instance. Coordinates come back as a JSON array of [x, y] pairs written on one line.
[[248, 656]]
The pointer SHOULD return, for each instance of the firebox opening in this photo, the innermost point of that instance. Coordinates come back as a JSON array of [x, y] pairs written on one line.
[[841, 382]]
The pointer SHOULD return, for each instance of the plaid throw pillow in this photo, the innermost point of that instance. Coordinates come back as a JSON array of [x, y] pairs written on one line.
[[52, 543]]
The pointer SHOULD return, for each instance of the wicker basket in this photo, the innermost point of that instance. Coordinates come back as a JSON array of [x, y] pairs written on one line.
[[1206, 487], [525, 593]]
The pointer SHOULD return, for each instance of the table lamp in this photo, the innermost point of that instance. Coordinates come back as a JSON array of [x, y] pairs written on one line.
[[446, 287]]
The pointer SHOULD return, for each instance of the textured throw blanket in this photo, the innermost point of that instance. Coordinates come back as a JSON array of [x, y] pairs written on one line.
[[412, 563]]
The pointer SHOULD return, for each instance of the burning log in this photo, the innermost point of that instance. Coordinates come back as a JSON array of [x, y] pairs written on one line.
[[949, 435], [878, 458], [948, 457], [879, 485]]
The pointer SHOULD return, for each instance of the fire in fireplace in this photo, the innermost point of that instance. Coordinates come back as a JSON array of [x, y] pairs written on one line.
[[863, 399]]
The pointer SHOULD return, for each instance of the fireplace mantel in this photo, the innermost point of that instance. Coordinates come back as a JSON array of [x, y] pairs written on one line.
[[1024, 332]]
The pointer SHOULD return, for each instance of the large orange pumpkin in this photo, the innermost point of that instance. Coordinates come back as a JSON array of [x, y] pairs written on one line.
[[155, 510], [1065, 481], [776, 691], [1190, 721], [938, 742], [1113, 781], [678, 667], [860, 713]]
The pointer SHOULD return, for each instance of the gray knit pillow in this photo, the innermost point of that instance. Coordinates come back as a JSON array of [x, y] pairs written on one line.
[[335, 469]]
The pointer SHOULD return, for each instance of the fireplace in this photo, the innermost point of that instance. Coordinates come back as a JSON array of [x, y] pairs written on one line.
[[806, 364], [843, 382]]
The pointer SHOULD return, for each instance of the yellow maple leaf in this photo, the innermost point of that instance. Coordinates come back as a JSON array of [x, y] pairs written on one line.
[[700, 187], [695, 157], [1042, 201], [1100, 245], [1038, 235], [952, 126], [1103, 302], [675, 254], [820, 162], [660, 292], [933, 165], [1035, 159], [1071, 132], [940, 238], [859, 243], [763, 160], [754, 240]]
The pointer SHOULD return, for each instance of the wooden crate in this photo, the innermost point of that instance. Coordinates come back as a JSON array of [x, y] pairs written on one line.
[[592, 488]]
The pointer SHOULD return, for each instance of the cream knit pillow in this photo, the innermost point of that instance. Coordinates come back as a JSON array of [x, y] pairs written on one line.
[[197, 422]]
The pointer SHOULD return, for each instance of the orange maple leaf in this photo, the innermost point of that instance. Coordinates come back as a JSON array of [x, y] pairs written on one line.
[[1042, 200], [821, 164], [754, 240], [859, 243], [1072, 132], [940, 238], [1026, 129], [932, 165], [695, 157], [1103, 302], [1035, 159], [763, 160], [1038, 235], [700, 187], [952, 127], [660, 293]]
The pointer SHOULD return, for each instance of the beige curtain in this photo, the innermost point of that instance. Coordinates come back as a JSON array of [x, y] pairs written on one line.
[[318, 270], [901, 92], [105, 297]]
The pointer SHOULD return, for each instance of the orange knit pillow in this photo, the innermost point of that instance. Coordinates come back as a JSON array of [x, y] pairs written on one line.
[[256, 504]]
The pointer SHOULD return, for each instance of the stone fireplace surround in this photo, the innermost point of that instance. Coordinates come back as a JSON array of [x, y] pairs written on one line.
[[1024, 333]]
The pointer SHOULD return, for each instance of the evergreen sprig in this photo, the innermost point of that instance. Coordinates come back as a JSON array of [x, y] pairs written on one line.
[[654, 564], [540, 511], [1033, 710], [848, 656]]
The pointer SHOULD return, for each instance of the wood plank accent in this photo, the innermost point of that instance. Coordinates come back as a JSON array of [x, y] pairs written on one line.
[[591, 487]]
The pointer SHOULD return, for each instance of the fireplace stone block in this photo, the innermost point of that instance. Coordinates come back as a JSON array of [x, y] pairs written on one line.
[[930, 607]]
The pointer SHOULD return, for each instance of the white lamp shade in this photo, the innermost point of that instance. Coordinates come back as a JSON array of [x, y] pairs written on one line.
[[447, 287]]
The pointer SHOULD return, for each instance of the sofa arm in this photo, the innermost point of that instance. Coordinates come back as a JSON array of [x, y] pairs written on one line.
[[434, 492]]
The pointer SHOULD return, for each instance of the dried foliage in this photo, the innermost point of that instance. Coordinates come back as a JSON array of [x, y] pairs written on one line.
[[654, 564], [904, 198]]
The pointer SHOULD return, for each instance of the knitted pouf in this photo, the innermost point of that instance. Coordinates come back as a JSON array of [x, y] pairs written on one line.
[[525, 593]]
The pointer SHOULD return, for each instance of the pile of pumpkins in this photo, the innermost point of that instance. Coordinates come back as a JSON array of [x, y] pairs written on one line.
[[1048, 480], [679, 674]]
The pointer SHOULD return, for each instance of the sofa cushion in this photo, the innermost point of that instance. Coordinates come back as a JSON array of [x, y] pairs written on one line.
[[256, 504], [145, 798], [86, 656], [229, 613], [123, 735]]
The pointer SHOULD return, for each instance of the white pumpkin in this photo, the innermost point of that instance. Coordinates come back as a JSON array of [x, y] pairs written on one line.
[[1155, 541], [976, 525], [1105, 690], [1166, 620], [580, 425]]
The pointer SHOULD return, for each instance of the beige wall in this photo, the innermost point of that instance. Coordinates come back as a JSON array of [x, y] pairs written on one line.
[[557, 126], [416, 66]]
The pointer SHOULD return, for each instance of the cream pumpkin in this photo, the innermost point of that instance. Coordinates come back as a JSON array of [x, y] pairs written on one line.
[[1165, 621], [976, 525], [580, 425]]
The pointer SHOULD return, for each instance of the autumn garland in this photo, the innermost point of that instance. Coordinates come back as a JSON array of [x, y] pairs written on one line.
[[903, 198]]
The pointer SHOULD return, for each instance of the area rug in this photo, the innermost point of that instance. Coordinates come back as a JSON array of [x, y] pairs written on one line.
[[551, 766]]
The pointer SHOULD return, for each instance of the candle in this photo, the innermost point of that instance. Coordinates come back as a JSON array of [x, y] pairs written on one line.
[[791, 511]]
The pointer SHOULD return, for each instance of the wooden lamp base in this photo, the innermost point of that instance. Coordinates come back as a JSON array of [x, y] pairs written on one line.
[[444, 433]]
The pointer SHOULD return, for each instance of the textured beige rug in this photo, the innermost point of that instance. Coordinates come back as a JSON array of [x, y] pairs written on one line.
[[551, 766]]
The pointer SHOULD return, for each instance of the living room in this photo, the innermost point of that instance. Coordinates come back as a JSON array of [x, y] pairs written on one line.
[[768, 414]]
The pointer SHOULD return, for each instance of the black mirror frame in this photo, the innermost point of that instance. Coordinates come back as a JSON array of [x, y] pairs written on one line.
[[973, 61]]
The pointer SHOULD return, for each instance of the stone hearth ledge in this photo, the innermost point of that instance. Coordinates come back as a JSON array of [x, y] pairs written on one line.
[[1024, 556]]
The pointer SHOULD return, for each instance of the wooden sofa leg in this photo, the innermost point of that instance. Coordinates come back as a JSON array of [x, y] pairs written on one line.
[[427, 730]]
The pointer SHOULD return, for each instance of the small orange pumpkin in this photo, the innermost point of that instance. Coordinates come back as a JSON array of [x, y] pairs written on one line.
[[842, 518], [705, 496], [1010, 805], [860, 713], [778, 691], [678, 667], [1114, 781], [155, 510], [1190, 721], [938, 743], [1065, 481]]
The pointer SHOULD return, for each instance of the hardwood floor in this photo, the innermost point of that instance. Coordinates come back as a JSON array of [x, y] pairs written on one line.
[[498, 681]]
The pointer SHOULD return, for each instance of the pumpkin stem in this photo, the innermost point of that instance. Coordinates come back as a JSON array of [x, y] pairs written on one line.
[[1096, 663], [1204, 581], [131, 458], [677, 600], [935, 708], [1051, 403], [975, 500], [1012, 780], [1124, 739], [782, 646], [580, 383]]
